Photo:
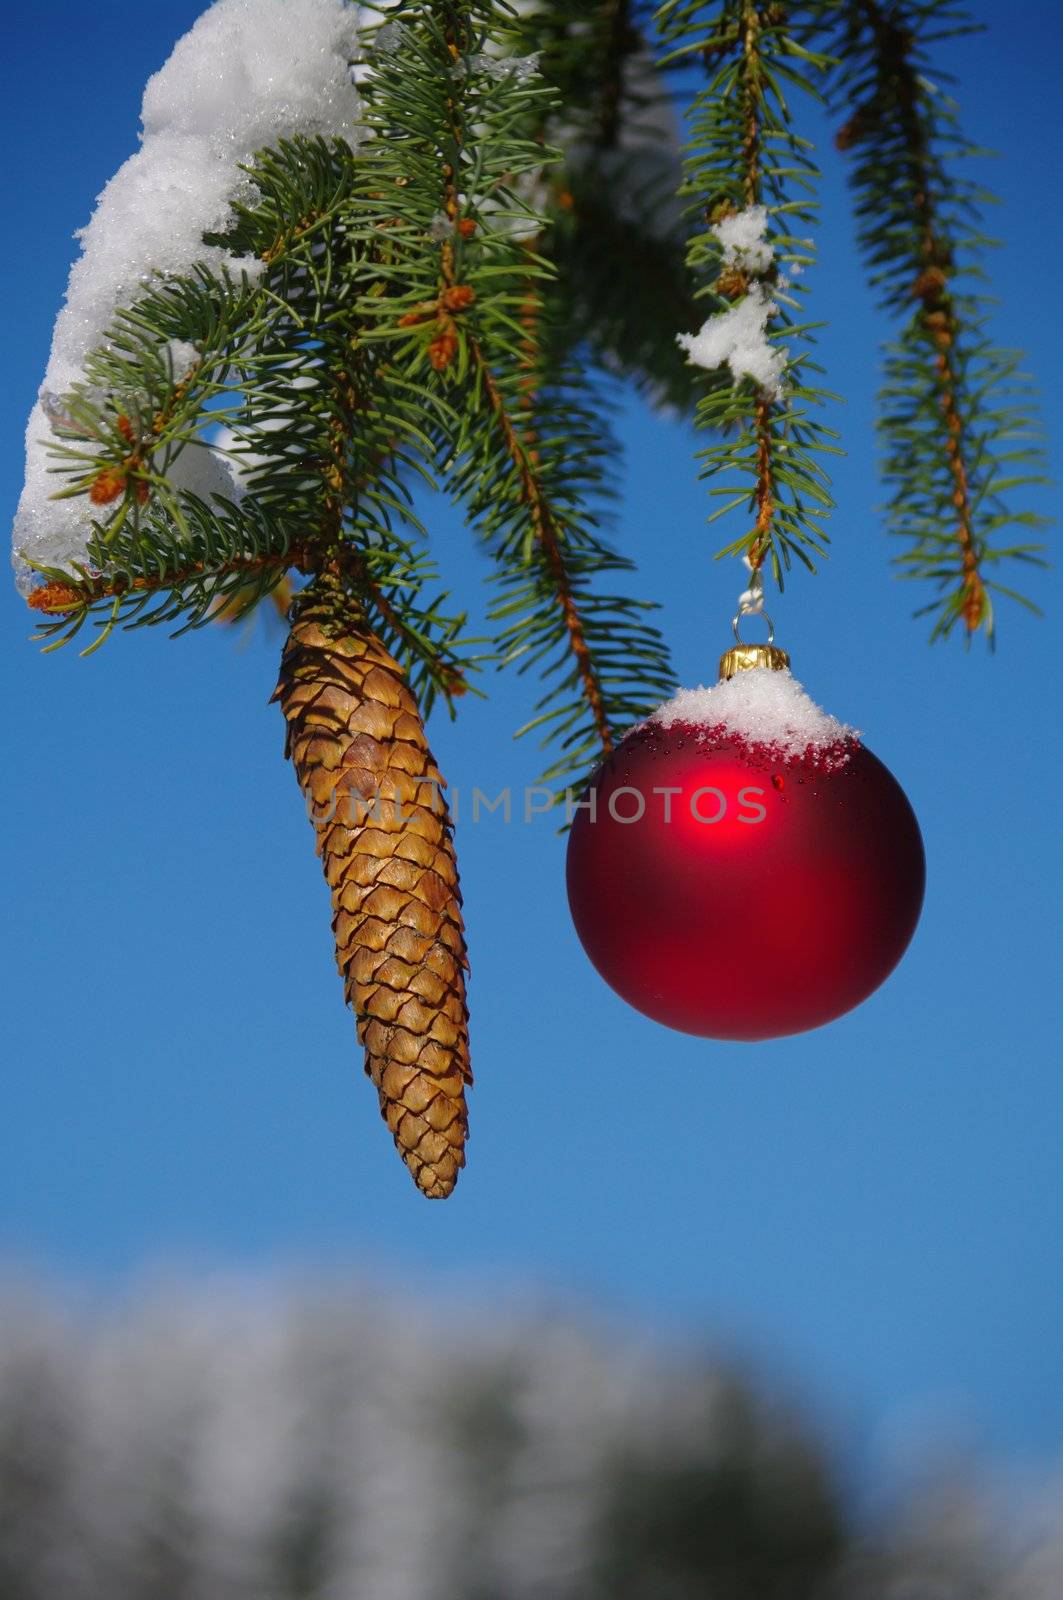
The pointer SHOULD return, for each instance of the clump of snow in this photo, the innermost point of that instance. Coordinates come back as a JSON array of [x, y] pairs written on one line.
[[738, 336], [742, 240], [232, 450], [761, 707], [248, 73], [182, 356], [205, 471], [751, 600], [251, 71]]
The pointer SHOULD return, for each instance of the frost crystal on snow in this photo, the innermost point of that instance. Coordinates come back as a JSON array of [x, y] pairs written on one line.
[[520, 68], [53, 407], [440, 228], [738, 336], [524, 68], [760, 707], [390, 37], [248, 73]]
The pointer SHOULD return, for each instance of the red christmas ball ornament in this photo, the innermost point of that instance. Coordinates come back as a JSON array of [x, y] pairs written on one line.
[[742, 866]]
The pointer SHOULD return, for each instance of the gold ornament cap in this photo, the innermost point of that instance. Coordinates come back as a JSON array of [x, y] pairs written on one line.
[[743, 657]]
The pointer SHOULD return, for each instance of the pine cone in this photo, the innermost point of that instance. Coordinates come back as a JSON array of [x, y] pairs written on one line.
[[375, 794]]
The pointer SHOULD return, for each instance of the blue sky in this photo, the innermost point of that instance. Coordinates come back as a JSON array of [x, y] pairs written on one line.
[[869, 1214]]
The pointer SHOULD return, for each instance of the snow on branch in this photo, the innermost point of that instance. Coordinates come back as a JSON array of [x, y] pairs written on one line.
[[738, 337], [248, 73], [742, 240]]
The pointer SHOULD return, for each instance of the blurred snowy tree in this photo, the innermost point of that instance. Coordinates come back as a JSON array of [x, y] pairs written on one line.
[[319, 1444]]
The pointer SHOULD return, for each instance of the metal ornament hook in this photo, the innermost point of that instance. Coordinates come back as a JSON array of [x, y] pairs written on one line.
[[751, 612]]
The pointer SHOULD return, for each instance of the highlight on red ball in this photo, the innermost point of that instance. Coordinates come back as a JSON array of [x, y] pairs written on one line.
[[732, 892]]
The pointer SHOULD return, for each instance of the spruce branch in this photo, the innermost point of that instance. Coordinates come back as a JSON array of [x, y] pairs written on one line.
[[323, 454], [527, 488], [515, 443], [613, 232], [746, 161], [367, 284], [957, 423]]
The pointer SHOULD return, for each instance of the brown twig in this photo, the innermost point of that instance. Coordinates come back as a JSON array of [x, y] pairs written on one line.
[[290, 236], [58, 598], [546, 535], [454, 296], [444, 346], [751, 101], [621, 37], [751, 154], [931, 285], [765, 498]]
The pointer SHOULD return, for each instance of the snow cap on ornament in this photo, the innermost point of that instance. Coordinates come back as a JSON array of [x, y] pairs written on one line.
[[742, 866]]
